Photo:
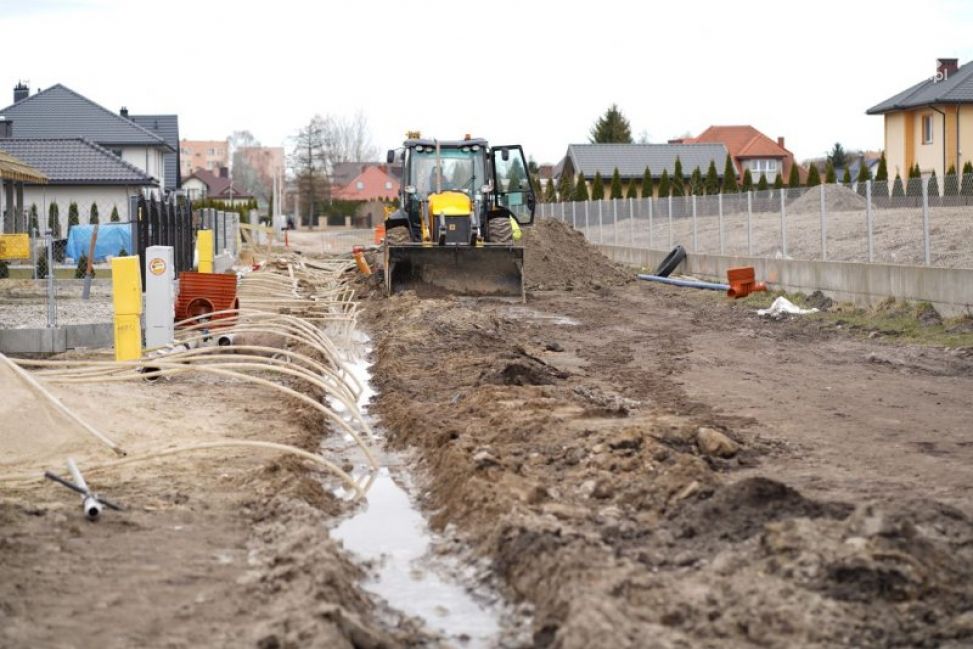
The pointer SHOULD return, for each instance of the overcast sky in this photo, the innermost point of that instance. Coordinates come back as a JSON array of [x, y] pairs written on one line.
[[512, 71]]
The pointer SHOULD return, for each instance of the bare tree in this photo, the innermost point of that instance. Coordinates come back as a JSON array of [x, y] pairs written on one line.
[[308, 165], [347, 139], [248, 174]]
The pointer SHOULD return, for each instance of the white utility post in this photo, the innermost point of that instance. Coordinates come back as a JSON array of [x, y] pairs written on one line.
[[160, 296]]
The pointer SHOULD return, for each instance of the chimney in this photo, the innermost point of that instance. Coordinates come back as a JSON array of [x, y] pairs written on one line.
[[780, 142], [124, 112], [6, 128], [945, 68], [21, 92]]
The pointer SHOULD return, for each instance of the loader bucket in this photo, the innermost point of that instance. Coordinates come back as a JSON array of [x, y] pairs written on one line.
[[432, 271]]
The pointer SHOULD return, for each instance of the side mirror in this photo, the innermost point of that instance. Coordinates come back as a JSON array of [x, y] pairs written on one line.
[[505, 154], [390, 156]]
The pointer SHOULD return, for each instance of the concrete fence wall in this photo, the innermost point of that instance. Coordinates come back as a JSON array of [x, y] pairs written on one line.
[[950, 290]]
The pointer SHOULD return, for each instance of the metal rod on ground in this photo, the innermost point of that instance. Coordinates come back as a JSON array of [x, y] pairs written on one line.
[[695, 237], [719, 205], [689, 283], [783, 222], [868, 219], [925, 221], [670, 221], [749, 223], [824, 227], [51, 295]]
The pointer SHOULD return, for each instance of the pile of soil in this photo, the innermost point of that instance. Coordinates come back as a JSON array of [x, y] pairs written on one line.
[[558, 257], [837, 198]]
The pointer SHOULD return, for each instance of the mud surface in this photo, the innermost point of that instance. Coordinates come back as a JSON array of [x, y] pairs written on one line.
[[650, 467]]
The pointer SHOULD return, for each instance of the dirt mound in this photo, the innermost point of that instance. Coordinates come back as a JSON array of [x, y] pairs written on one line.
[[557, 257], [837, 198]]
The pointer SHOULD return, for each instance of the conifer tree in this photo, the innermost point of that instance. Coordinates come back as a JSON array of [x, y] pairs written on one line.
[[616, 185], [647, 183], [778, 182], [846, 179], [813, 176], [882, 173], [664, 188], [933, 186], [966, 186], [632, 190], [597, 188], [581, 189], [550, 195], [114, 214], [54, 220], [32, 220], [696, 182], [829, 174], [795, 178], [897, 189], [762, 184], [747, 184], [863, 172], [73, 218], [678, 182], [93, 214], [950, 185], [611, 128], [565, 188], [729, 176], [712, 183]]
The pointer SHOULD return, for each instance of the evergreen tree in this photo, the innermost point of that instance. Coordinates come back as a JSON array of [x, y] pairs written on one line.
[[863, 172], [762, 183], [42, 268], [93, 214], [747, 184], [647, 183], [968, 168], [933, 186], [82, 268], [611, 128], [897, 189], [829, 174], [114, 214], [882, 173], [664, 188], [795, 178], [678, 181], [616, 184], [813, 176], [54, 221], [597, 188], [778, 182], [915, 172], [32, 220], [696, 182], [729, 176], [712, 183], [565, 188], [73, 218], [966, 187], [632, 190], [837, 156], [950, 185], [846, 179], [581, 189], [550, 195]]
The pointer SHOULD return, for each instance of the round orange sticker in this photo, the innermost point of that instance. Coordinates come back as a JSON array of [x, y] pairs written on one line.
[[157, 266]]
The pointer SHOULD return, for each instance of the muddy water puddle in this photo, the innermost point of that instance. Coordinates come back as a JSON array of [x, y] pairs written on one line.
[[391, 537]]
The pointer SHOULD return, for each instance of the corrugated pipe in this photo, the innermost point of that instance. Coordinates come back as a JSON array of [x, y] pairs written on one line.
[[689, 283]]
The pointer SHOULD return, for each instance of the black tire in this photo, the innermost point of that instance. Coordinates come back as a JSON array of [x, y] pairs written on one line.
[[672, 260], [500, 230], [397, 235]]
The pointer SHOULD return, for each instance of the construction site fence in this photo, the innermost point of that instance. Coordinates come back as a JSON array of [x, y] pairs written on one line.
[[918, 221]]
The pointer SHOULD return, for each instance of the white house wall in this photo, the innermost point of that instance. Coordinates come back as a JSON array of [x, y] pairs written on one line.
[[106, 196], [151, 160]]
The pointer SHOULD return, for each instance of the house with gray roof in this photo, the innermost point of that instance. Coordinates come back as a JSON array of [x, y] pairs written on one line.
[[930, 123], [166, 127], [79, 171], [59, 112], [631, 160]]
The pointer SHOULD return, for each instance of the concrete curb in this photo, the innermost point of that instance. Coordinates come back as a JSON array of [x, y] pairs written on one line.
[[56, 339]]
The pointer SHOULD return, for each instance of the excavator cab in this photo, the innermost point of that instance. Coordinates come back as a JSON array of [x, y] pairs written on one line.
[[462, 205]]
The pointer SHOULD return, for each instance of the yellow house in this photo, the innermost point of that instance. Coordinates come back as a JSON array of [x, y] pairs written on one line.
[[930, 123]]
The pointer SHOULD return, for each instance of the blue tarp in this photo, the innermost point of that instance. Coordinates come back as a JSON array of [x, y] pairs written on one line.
[[112, 238]]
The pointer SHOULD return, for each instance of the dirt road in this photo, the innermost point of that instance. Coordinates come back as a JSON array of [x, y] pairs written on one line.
[[650, 467]]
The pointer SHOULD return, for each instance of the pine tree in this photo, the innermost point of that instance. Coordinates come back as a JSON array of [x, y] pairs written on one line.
[[829, 174], [729, 176], [696, 182], [712, 184], [795, 178], [846, 179], [664, 188], [915, 172], [647, 183], [837, 156], [632, 190], [54, 220], [762, 185], [967, 184], [747, 184], [32, 220], [678, 181], [898, 190], [933, 186], [565, 188], [616, 185], [863, 172], [114, 214], [882, 173], [950, 185], [581, 189], [93, 214], [73, 218], [813, 176], [42, 269], [778, 182], [611, 128], [550, 195], [597, 188]]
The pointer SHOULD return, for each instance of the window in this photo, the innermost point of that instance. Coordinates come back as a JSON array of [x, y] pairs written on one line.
[[388, 184], [927, 129], [771, 165], [212, 151], [359, 185]]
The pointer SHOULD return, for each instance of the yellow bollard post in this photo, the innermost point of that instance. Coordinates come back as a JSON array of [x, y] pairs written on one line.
[[127, 298], [204, 251]]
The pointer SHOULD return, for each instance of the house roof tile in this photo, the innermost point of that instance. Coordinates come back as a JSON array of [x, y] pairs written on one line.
[[166, 127], [957, 89], [632, 159], [75, 161]]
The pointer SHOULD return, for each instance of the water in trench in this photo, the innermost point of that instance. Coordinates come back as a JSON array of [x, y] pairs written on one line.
[[390, 533]]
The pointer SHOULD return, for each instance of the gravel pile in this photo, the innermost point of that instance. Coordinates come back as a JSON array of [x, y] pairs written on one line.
[[837, 198]]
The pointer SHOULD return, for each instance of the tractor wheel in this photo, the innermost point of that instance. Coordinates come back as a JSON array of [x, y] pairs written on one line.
[[500, 230], [398, 235]]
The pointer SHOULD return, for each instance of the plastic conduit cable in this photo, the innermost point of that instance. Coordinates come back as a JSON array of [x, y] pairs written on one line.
[[688, 283]]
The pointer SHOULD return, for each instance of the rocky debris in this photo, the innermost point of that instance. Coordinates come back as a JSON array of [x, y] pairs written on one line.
[[558, 257], [927, 315], [818, 300], [712, 442]]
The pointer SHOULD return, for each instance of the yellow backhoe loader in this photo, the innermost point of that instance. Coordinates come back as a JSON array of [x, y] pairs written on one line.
[[457, 230]]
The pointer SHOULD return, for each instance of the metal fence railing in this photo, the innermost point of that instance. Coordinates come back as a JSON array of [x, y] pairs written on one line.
[[924, 221]]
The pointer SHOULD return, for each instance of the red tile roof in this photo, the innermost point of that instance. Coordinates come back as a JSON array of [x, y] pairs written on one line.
[[743, 142]]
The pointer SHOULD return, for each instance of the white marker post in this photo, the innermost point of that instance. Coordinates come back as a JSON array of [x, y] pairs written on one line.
[[160, 296]]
